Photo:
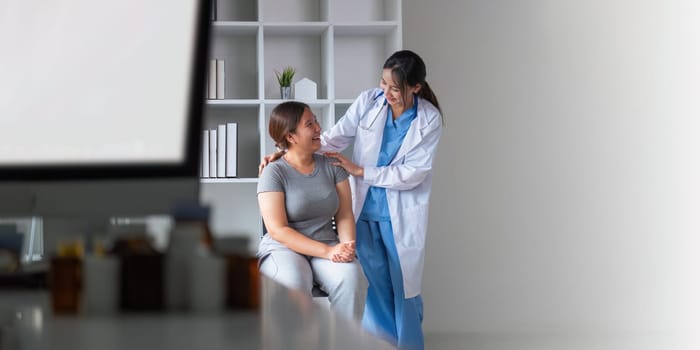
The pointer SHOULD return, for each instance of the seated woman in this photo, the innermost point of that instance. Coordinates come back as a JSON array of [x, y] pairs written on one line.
[[298, 196]]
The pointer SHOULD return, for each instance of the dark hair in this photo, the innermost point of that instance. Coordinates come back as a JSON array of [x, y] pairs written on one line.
[[283, 121], [408, 69]]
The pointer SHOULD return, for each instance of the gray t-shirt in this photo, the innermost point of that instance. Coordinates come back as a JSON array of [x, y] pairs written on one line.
[[310, 200]]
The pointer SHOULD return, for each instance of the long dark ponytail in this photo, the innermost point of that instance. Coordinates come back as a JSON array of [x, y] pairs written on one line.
[[408, 69]]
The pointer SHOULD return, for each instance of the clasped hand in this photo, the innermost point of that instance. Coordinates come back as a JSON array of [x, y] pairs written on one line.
[[342, 252]]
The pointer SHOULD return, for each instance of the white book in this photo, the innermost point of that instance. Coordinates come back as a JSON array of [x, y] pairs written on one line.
[[212, 152], [221, 149], [220, 80], [231, 149], [211, 86], [205, 153]]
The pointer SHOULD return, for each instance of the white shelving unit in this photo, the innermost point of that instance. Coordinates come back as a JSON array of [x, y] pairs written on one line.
[[339, 44]]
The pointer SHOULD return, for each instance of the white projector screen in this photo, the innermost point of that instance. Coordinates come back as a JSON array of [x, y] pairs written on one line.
[[100, 106], [95, 82]]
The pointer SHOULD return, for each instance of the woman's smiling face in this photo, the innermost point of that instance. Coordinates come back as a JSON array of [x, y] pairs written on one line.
[[308, 133]]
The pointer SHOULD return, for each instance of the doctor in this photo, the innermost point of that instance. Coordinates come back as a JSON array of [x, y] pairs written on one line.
[[395, 130]]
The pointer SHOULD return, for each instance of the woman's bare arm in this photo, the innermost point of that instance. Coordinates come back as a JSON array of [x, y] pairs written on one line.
[[275, 218], [344, 219]]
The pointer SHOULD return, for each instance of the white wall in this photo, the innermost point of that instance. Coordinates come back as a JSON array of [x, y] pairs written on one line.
[[567, 183]]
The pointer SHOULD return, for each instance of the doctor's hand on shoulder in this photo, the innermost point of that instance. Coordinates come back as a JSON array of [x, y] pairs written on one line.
[[345, 163], [268, 159]]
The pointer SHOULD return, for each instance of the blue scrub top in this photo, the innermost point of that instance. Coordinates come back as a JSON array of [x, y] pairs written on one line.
[[376, 208]]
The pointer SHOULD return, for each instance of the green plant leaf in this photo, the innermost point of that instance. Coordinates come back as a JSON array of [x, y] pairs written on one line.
[[285, 77]]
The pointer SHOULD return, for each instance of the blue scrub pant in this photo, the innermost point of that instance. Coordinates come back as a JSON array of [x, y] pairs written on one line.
[[387, 313]]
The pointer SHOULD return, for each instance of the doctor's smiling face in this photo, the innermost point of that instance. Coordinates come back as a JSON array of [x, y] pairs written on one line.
[[397, 91]]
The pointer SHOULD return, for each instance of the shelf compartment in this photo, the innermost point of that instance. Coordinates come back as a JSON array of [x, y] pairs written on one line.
[[236, 10], [248, 156], [238, 49], [234, 210], [340, 109], [365, 29], [291, 10], [358, 63], [364, 10], [233, 102], [303, 52], [289, 29], [228, 28]]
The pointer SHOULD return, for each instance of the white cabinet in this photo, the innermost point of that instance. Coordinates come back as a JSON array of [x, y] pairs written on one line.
[[339, 44]]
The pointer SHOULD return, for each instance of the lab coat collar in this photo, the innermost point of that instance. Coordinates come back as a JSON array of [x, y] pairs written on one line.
[[415, 133]]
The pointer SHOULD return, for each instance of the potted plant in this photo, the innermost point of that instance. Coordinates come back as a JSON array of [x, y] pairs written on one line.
[[285, 80]]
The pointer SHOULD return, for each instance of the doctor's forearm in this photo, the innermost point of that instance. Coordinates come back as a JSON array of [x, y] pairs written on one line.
[[396, 177]]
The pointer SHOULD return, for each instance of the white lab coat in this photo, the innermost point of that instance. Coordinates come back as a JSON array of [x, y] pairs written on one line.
[[407, 179]]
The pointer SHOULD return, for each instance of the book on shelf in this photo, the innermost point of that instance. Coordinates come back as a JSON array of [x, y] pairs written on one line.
[[231, 149], [216, 84], [220, 79], [205, 153], [221, 151], [213, 143], [211, 84]]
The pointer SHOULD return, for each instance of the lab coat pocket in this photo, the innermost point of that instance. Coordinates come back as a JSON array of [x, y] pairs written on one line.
[[410, 244], [412, 228], [367, 142]]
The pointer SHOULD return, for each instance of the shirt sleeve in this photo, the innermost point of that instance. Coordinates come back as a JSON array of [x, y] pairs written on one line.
[[339, 173], [271, 179]]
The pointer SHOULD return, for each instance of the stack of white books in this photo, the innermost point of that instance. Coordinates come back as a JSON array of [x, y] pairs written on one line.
[[216, 88], [220, 151]]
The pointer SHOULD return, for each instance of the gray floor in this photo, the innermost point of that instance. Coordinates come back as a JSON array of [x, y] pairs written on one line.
[[494, 341], [292, 319]]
